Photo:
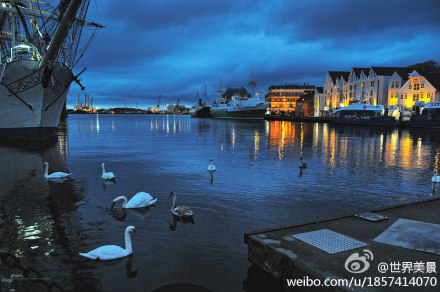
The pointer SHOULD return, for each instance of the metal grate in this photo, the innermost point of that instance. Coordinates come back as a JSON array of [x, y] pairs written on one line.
[[329, 241]]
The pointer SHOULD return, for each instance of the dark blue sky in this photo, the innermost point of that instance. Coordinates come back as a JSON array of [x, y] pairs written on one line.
[[174, 47]]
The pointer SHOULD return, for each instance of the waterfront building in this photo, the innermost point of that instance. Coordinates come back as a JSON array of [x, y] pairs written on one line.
[[419, 87], [305, 105], [399, 77], [282, 98], [319, 102], [377, 85], [355, 89], [335, 82]]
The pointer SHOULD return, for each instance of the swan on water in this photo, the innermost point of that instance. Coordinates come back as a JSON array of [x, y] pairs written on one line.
[[55, 174], [180, 211], [302, 165], [211, 168], [107, 175], [139, 200], [112, 252], [435, 178]]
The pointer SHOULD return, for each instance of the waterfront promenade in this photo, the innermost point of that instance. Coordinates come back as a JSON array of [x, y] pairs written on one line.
[[390, 239]]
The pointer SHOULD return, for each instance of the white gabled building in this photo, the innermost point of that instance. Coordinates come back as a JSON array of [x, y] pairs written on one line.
[[399, 77], [419, 87], [377, 85], [355, 89], [333, 89], [319, 102]]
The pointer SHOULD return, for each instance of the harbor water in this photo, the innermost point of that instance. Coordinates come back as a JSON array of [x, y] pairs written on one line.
[[257, 185]]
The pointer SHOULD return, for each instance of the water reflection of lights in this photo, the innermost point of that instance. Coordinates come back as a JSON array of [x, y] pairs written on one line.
[[113, 124], [233, 137], [97, 123], [256, 144], [419, 151], [436, 166], [64, 145], [302, 139]]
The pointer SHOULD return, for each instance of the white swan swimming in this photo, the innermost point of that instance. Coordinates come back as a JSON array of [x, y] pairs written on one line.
[[139, 200], [55, 174], [180, 211], [112, 252], [435, 178], [107, 175], [211, 168]]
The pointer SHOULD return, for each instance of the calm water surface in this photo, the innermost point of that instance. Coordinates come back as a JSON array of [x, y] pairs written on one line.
[[257, 185]]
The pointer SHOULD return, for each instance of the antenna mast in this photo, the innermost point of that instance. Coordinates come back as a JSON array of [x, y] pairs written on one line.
[[252, 83], [220, 90]]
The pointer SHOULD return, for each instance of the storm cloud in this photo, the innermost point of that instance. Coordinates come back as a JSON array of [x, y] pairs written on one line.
[[173, 47]]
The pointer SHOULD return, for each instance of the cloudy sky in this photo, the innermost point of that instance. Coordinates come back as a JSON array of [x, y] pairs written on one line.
[[174, 47]]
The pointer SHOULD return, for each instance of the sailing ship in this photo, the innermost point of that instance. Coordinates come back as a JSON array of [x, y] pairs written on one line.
[[40, 45], [200, 110], [239, 106]]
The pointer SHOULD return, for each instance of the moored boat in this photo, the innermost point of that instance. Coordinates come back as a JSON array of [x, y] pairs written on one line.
[[240, 106], [36, 72], [363, 114], [429, 117], [200, 110]]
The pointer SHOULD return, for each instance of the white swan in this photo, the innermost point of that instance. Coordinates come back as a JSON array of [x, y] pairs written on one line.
[[55, 174], [302, 165], [139, 200], [211, 168], [180, 211], [112, 252], [435, 178], [107, 175]]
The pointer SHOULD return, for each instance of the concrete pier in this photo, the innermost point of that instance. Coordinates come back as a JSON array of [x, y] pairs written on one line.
[[408, 233]]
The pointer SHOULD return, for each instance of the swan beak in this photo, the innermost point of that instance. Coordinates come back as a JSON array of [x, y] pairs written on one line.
[[134, 230], [113, 204]]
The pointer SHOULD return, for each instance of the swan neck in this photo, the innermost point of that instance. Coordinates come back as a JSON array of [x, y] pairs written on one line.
[[124, 202], [46, 170], [174, 202], [128, 246], [103, 169]]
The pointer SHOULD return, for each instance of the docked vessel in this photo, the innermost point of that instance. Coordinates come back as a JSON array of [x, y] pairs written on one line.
[[200, 110], [41, 45], [239, 106], [428, 117], [364, 114]]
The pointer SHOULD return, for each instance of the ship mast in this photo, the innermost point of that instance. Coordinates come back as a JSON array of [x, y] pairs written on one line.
[[204, 101], [61, 32], [220, 90], [252, 83]]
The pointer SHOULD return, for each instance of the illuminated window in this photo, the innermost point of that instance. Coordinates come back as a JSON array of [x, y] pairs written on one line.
[[416, 86], [372, 83], [422, 85], [410, 86], [416, 97]]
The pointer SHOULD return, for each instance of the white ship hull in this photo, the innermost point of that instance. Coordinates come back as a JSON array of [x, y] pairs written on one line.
[[250, 109], [29, 110]]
